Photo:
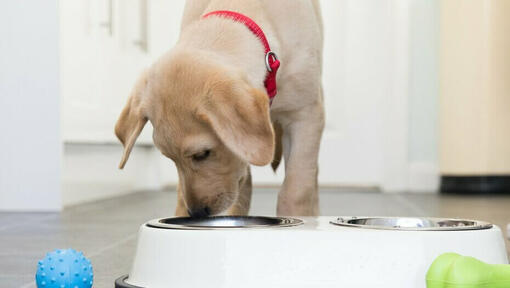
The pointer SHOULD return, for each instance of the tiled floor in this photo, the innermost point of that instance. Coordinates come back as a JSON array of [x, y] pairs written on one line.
[[106, 231]]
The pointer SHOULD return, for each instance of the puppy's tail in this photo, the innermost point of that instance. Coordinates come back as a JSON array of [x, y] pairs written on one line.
[[277, 157]]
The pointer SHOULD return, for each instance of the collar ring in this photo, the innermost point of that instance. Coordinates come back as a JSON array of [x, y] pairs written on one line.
[[275, 58]]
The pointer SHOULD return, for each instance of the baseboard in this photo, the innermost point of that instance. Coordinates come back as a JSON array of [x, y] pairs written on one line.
[[482, 184]]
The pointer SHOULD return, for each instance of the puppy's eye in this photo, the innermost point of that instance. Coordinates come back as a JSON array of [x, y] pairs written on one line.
[[201, 156]]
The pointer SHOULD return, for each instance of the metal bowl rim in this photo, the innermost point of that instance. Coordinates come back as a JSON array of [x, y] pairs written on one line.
[[479, 225], [283, 222]]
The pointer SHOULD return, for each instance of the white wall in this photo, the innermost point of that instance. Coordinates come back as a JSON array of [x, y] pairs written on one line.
[[423, 95], [30, 147]]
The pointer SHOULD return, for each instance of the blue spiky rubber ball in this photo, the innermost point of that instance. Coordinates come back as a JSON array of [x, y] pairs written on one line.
[[64, 268]]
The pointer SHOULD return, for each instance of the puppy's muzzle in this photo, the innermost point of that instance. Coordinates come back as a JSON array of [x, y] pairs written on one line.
[[201, 212]]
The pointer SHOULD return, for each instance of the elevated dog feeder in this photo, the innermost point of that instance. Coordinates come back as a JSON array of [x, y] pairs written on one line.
[[228, 251]]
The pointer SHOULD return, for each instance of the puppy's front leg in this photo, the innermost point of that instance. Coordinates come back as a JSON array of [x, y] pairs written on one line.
[[301, 140]]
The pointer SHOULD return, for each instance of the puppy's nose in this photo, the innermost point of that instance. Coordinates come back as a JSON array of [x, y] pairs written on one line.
[[201, 212]]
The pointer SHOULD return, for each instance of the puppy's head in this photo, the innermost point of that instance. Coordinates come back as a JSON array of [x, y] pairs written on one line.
[[207, 119]]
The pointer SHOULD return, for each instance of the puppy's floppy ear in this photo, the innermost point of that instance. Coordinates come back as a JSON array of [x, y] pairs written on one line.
[[239, 114], [132, 119]]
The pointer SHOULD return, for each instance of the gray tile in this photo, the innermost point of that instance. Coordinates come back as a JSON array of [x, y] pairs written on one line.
[[106, 230], [362, 204], [19, 266], [10, 220], [113, 263], [16, 281]]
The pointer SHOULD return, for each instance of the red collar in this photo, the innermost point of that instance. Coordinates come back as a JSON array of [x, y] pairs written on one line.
[[272, 63]]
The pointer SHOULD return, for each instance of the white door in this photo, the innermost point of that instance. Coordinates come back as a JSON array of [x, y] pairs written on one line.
[[365, 88]]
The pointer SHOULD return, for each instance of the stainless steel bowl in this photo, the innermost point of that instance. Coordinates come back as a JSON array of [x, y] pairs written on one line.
[[223, 222], [411, 223]]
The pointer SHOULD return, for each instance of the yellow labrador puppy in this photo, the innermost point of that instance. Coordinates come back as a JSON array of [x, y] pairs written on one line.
[[210, 110]]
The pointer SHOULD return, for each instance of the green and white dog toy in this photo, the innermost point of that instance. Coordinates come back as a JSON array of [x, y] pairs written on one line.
[[451, 270]]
